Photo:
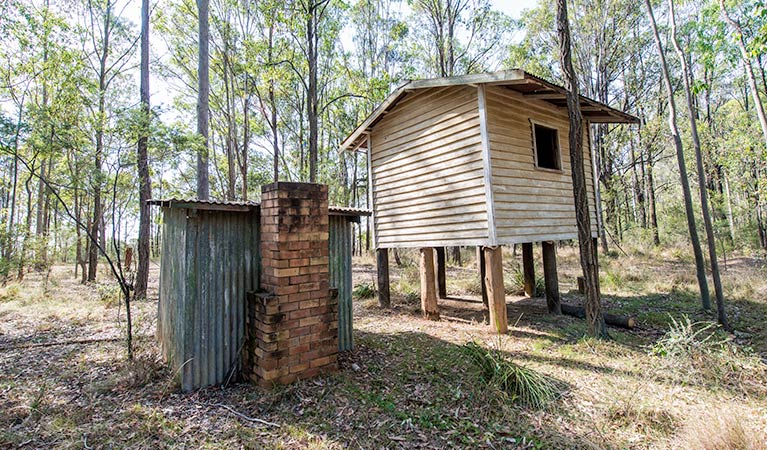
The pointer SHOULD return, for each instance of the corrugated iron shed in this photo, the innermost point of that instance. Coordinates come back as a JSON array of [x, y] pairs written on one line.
[[211, 260]]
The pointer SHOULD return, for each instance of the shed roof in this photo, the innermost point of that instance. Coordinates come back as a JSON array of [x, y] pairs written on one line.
[[241, 206], [518, 80]]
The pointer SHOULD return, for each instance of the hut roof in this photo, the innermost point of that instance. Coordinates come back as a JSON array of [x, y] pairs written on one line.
[[518, 80], [241, 206]]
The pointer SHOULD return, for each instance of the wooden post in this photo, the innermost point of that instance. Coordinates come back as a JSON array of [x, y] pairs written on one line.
[[528, 269], [550, 277], [495, 291], [428, 285], [441, 280], [382, 263], [482, 270]]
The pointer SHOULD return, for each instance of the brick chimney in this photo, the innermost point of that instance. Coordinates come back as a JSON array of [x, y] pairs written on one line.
[[292, 322]]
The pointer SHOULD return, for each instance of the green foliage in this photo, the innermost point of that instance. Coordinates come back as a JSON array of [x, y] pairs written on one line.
[[9, 293], [110, 295], [695, 353], [363, 291], [521, 384], [514, 282], [685, 338]]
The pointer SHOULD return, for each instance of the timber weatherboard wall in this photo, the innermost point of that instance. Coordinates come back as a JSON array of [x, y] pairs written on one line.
[[210, 261], [451, 161], [427, 171], [531, 204], [436, 183]]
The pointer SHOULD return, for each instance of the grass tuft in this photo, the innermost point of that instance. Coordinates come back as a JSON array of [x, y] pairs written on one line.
[[686, 338], [514, 282], [693, 353], [722, 430], [363, 291], [520, 383]]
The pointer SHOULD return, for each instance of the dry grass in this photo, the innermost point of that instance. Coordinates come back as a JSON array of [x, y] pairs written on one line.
[[407, 384], [723, 430]]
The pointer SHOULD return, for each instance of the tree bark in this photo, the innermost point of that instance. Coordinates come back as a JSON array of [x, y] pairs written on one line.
[[312, 100], [700, 263], [706, 211], [142, 161], [589, 265], [203, 99], [651, 200]]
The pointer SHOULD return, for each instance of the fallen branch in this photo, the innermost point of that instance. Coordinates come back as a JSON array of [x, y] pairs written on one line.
[[610, 319], [70, 342], [244, 417]]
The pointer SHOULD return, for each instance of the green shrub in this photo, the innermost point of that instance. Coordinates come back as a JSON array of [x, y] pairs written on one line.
[[694, 353], [363, 291], [412, 297], [685, 338], [514, 283], [520, 383], [110, 295], [9, 293]]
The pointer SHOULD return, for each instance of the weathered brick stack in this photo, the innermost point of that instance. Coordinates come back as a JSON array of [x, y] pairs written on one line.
[[292, 323]]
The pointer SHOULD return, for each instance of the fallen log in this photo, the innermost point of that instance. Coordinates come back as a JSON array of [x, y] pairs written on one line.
[[610, 319]]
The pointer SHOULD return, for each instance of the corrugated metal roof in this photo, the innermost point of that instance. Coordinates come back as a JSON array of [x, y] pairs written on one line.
[[515, 79], [234, 205]]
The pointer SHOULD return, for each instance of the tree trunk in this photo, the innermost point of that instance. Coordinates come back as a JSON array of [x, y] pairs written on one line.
[[142, 161], [700, 263], [312, 100], [651, 200], [707, 222], [203, 98], [730, 216], [589, 265], [456, 255]]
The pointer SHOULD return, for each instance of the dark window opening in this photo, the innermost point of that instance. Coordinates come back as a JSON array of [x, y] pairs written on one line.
[[546, 147]]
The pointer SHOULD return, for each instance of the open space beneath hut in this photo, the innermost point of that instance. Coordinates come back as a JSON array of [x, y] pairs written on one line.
[[408, 382]]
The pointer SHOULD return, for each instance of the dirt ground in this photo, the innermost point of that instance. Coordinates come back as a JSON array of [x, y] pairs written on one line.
[[407, 383]]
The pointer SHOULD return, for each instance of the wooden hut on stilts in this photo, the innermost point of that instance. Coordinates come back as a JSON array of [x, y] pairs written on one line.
[[477, 160]]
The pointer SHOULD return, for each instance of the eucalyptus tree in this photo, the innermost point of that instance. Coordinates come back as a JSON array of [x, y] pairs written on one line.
[[700, 263], [203, 97], [108, 46], [455, 37], [706, 212], [588, 252], [746, 56], [142, 161]]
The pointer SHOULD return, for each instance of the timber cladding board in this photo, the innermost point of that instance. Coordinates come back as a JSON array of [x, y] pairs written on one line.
[[531, 204], [427, 169]]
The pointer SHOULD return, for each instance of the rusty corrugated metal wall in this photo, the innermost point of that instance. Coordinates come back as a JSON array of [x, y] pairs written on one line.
[[210, 261], [341, 276]]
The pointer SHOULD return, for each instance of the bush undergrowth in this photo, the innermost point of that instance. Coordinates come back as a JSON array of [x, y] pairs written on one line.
[[519, 383], [696, 353]]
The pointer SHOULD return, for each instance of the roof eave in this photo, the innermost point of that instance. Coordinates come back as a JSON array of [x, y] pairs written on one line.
[[603, 114]]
